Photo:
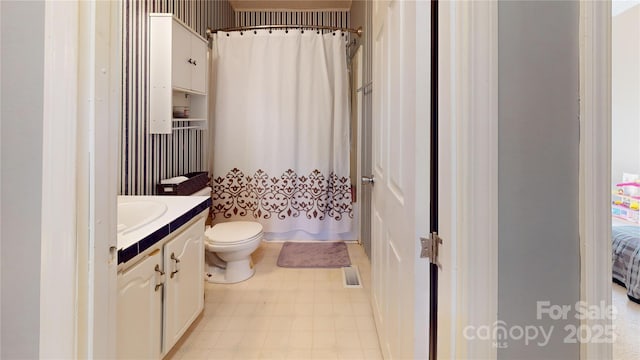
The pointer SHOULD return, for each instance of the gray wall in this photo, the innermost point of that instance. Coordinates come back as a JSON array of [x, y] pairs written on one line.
[[538, 256], [22, 72], [625, 94]]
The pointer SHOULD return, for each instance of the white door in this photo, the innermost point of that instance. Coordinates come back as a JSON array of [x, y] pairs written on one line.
[[140, 310], [399, 216]]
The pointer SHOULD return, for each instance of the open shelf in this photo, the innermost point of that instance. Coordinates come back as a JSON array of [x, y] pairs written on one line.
[[188, 119], [197, 106], [188, 128]]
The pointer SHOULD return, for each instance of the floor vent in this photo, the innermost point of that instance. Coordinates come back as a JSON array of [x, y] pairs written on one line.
[[351, 277]]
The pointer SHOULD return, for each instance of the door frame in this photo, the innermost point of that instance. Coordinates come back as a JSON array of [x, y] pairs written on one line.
[[58, 239], [468, 176], [473, 60], [358, 90], [595, 166], [99, 105], [79, 197]]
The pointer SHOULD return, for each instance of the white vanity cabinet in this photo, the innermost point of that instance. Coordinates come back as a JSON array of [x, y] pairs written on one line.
[[161, 293], [177, 75], [184, 287], [139, 322]]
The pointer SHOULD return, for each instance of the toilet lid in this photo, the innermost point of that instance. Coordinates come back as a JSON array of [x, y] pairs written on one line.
[[234, 231]]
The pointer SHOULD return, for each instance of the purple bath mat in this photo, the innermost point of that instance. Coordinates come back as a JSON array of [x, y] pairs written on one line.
[[314, 255]]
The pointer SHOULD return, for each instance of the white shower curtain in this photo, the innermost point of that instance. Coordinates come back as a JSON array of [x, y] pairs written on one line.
[[281, 131]]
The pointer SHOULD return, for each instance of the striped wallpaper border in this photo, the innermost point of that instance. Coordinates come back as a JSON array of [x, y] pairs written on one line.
[[325, 18]]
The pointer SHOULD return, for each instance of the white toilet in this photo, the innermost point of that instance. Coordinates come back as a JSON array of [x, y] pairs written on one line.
[[228, 251]]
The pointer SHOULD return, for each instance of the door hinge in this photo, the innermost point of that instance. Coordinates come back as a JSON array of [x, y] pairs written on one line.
[[430, 247]]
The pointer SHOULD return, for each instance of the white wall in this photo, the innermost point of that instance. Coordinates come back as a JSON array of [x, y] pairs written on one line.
[[22, 48], [625, 94], [538, 246]]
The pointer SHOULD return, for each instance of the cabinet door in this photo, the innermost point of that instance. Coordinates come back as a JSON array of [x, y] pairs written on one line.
[[139, 310], [184, 290], [199, 71], [181, 59]]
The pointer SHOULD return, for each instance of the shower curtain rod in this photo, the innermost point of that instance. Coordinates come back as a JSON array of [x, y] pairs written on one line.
[[357, 31]]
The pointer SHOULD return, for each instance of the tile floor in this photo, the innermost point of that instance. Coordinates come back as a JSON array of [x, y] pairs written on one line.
[[285, 313]]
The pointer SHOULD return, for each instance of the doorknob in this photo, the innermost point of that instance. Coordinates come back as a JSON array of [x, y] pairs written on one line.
[[367, 180]]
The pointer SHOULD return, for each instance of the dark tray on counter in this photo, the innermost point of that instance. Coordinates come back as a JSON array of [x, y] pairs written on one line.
[[197, 180]]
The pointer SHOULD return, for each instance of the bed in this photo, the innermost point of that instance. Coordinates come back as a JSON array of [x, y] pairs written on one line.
[[626, 259]]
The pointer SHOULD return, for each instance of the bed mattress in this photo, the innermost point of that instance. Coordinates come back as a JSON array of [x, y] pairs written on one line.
[[626, 259]]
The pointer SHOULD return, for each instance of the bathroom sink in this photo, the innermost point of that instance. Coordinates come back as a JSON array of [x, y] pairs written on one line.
[[136, 213]]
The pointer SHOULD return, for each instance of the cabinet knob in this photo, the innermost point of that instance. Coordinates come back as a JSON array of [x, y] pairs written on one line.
[[190, 61], [194, 62]]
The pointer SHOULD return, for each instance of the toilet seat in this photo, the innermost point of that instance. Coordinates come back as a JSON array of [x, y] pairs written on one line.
[[222, 244], [233, 233]]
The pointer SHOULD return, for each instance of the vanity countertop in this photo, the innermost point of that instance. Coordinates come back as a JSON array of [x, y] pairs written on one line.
[[180, 209]]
